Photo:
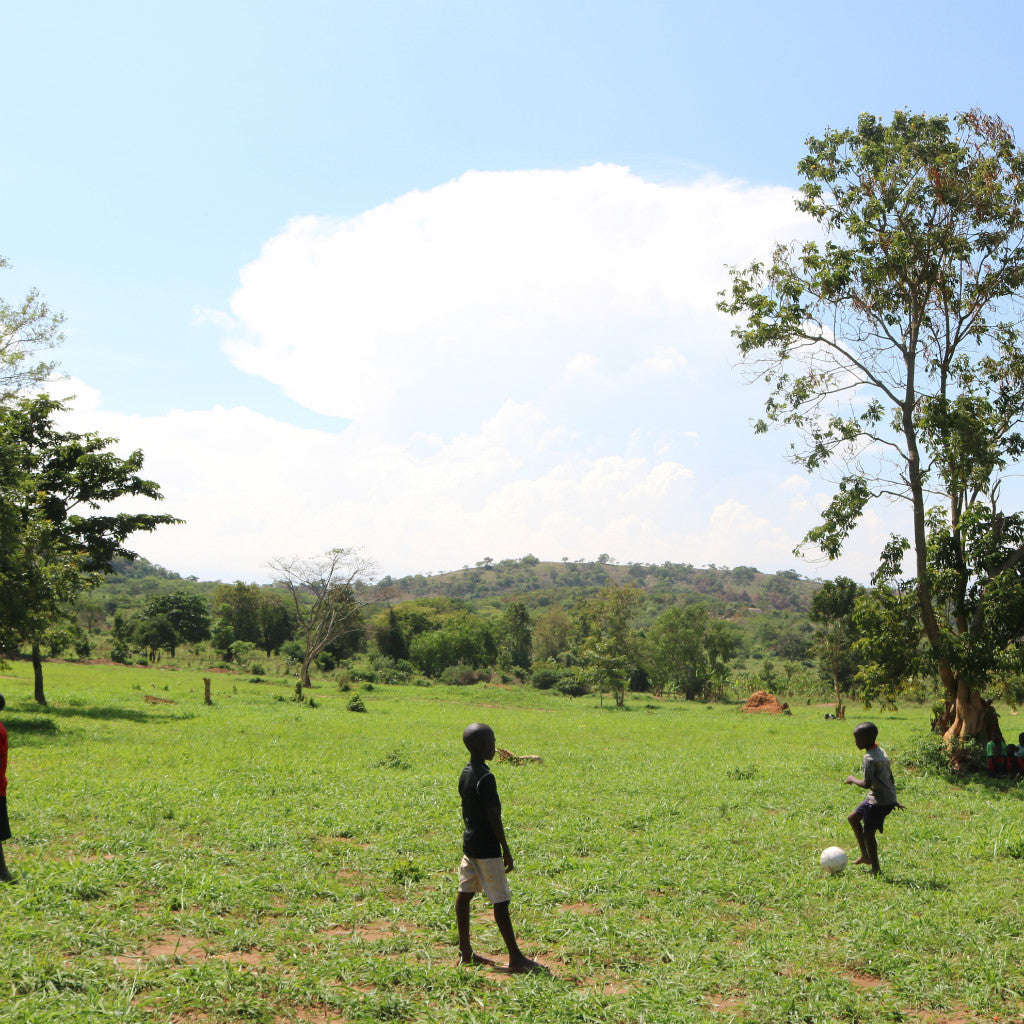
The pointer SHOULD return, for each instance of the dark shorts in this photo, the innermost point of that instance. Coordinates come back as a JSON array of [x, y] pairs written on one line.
[[5, 825], [873, 815]]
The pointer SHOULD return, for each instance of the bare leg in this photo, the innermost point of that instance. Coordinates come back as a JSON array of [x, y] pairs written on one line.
[[462, 901], [5, 875], [517, 963], [858, 831], [871, 843]]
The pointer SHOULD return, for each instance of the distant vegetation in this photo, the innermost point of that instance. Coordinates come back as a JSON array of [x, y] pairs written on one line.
[[708, 632]]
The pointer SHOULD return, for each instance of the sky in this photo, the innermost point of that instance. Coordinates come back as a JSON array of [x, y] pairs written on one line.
[[437, 280]]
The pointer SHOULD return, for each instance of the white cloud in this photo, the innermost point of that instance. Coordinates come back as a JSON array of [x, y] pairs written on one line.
[[531, 361], [495, 278]]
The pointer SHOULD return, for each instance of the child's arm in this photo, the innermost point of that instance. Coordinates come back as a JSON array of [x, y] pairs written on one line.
[[494, 818], [852, 780]]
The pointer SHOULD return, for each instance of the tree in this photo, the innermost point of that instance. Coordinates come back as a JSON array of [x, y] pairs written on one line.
[[832, 610], [25, 329], [514, 640], [689, 650], [50, 550], [168, 620], [610, 648], [252, 614], [238, 606], [391, 641], [462, 639], [894, 351], [323, 590], [551, 634]]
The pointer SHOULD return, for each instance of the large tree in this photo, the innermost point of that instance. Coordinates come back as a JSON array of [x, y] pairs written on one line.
[[832, 612], [689, 651], [54, 546], [893, 348], [325, 598], [608, 645], [168, 620]]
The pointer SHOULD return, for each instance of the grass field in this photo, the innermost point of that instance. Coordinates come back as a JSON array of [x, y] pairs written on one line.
[[258, 860]]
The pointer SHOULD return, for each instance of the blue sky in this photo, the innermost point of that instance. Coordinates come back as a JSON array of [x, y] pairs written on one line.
[[437, 279]]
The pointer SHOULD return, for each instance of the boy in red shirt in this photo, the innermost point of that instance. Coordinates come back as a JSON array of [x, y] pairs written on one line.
[[5, 828]]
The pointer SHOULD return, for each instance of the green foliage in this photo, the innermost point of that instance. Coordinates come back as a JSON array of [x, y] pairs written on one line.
[[607, 642], [463, 639], [894, 353], [52, 545], [26, 328], [391, 641], [689, 651], [169, 620], [514, 639]]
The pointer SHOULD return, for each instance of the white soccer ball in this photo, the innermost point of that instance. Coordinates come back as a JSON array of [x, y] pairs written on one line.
[[833, 859]]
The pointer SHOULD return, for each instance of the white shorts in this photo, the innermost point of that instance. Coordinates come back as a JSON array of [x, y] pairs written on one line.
[[487, 875]]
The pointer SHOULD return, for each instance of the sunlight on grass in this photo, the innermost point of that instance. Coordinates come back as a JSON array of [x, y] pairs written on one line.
[[258, 860]]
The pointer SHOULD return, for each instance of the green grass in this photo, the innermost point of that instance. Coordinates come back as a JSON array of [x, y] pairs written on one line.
[[258, 860]]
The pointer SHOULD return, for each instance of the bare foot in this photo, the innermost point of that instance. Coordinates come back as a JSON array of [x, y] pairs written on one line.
[[524, 965], [862, 860], [474, 960]]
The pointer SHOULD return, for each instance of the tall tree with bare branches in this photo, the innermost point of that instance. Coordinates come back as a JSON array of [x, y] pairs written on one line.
[[325, 598]]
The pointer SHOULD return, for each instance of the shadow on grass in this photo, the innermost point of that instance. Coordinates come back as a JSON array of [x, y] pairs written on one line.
[[931, 884], [41, 721]]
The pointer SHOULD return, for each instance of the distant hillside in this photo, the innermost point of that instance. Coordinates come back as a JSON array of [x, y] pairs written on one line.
[[768, 609], [728, 592]]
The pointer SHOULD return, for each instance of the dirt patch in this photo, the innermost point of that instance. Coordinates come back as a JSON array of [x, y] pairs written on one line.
[[726, 1004], [311, 1015], [762, 702], [941, 1016], [350, 875], [371, 931], [249, 957], [580, 908], [150, 699], [344, 840], [183, 947], [861, 980]]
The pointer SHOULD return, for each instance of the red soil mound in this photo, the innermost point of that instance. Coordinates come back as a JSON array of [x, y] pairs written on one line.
[[766, 704]]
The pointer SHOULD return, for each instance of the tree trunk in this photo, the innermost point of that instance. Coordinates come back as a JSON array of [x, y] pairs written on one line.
[[968, 715], [840, 706], [303, 680], [37, 672]]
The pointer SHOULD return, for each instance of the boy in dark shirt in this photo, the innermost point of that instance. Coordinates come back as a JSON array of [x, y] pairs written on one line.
[[486, 855], [870, 814], [5, 828]]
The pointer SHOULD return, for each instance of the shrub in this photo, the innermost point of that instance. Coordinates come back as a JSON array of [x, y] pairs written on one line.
[[545, 678], [930, 754], [571, 686], [356, 704], [462, 675]]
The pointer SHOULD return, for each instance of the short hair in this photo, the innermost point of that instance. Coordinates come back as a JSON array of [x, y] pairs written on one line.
[[473, 734], [867, 728]]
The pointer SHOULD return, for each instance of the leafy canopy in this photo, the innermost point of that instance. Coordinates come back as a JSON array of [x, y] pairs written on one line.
[[893, 349]]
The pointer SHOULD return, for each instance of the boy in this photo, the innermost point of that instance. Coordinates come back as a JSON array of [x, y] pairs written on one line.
[[5, 828], [869, 816], [486, 855]]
